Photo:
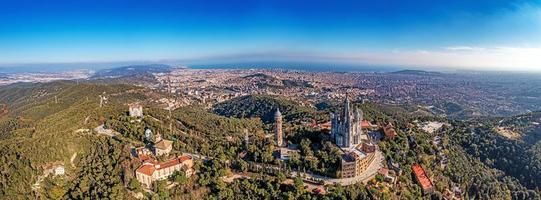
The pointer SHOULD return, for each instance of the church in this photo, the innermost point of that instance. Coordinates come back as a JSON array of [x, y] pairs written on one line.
[[346, 129]]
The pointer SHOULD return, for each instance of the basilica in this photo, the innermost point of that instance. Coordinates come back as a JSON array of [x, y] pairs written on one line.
[[347, 133], [346, 129]]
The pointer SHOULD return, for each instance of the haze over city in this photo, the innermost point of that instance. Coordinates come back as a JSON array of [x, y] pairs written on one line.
[[270, 99], [433, 35]]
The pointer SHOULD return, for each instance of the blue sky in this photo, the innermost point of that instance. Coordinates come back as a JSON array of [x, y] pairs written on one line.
[[480, 34]]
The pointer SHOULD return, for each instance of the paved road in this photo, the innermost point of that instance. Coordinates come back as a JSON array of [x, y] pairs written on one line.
[[370, 172], [367, 175], [109, 132]]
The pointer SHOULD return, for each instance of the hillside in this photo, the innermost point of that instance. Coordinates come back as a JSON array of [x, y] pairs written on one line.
[[44, 124], [516, 157], [130, 71], [264, 106], [41, 127], [50, 122], [416, 72]]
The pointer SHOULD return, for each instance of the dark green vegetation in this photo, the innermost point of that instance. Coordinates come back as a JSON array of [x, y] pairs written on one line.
[[317, 152], [517, 160], [208, 185], [264, 106], [42, 127], [102, 172], [47, 123]]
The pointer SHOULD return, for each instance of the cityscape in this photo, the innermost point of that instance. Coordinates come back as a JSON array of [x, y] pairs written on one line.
[[270, 100]]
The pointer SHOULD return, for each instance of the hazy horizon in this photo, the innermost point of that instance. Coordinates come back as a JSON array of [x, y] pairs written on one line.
[[449, 35]]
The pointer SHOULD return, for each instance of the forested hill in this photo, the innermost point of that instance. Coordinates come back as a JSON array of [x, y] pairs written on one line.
[[131, 71], [512, 145], [133, 75], [264, 106], [416, 72], [46, 123]]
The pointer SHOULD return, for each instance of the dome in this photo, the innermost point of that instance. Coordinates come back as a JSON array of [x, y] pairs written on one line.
[[277, 113]]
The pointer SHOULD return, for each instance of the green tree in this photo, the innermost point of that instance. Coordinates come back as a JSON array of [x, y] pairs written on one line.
[[134, 184]]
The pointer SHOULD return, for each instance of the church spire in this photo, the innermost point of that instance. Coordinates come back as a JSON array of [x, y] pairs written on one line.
[[347, 111]]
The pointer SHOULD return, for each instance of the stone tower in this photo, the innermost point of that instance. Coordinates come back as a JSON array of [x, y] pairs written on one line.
[[279, 134]]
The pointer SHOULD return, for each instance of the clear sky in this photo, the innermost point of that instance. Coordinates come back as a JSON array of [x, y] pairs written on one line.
[[472, 34]]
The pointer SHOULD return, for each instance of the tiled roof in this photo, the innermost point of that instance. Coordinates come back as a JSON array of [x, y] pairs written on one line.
[[366, 124], [389, 130], [149, 168], [383, 171], [164, 144], [420, 173]]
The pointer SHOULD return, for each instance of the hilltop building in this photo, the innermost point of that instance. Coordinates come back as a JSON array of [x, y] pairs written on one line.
[[143, 153], [152, 171], [366, 125], [278, 134], [422, 178], [59, 170], [346, 127], [347, 132], [162, 146], [389, 131], [357, 160], [388, 175], [135, 109]]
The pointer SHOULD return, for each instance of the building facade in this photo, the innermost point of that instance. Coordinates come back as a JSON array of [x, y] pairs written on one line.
[[163, 147], [355, 162], [135, 110], [389, 131], [346, 127], [152, 171]]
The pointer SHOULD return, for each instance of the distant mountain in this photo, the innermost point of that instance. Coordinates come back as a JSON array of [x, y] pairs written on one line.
[[131, 70], [3, 76], [416, 72]]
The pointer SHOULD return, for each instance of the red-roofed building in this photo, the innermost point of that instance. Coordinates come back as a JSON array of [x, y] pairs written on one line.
[[422, 178], [389, 131], [143, 153], [365, 124], [151, 171], [325, 125], [388, 175]]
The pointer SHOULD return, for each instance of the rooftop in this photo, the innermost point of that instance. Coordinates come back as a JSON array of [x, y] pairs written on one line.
[[423, 179], [366, 124], [353, 155], [163, 144], [148, 168], [134, 105]]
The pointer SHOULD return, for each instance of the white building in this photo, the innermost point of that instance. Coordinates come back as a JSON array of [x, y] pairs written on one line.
[[163, 147], [59, 170], [153, 171], [136, 110]]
